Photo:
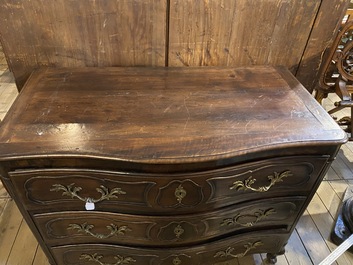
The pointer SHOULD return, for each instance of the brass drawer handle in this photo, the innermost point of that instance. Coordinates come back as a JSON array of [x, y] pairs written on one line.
[[258, 215], [228, 252], [86, 229], [97, 258], [246, 184], [72, 192]]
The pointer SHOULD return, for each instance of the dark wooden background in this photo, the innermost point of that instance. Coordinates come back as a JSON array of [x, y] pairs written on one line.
[[76, 33]]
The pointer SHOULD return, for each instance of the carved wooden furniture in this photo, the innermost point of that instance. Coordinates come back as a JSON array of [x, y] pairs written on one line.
[[164, 165], [336, 75]]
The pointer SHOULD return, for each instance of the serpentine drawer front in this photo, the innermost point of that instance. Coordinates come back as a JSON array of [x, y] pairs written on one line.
[[166, 193], [79, 227], [177, 166], [219, 251]]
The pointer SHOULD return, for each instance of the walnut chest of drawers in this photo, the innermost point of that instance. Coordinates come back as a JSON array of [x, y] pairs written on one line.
[[164, 166]]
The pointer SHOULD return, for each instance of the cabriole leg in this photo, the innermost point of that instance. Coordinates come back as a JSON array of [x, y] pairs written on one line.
[[271, 258]]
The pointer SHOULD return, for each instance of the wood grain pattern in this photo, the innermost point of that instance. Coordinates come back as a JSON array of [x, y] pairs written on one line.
[[82, 33], [40, 258], [73, 130], [173, 103], [308, 232], [296, 253], [26, 245], [327, 21], [241, 32], [10, 215], [324, 222], [68, 33]]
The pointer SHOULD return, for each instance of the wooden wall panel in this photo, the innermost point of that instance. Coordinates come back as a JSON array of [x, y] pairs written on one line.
[[326, 24], [82, 33], [240, 32], [63, 33]]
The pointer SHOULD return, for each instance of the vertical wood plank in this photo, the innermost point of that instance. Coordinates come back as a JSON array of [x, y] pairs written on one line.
[[295, 251], [3, 193], [332, 203], [329, 198], [326, 24], [8, 93], [340, 166], [82, 33], [40, 258], [10, 221], [25, 246], [2, 205], [239, 32], [315, 245], [339, 187], [324, 222], [346, 155]]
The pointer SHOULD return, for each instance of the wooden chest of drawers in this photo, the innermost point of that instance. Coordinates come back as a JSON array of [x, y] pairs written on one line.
[[164, 165]]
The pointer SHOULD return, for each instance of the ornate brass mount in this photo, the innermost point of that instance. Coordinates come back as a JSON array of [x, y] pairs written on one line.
[[97, 258], [176, 261], [86, 229], [258, 215], [246, 184], [178, 231], [180, 193], [72, 192], [228, 252]]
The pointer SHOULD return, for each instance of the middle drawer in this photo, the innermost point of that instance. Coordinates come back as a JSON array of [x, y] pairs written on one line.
[[103, 227]]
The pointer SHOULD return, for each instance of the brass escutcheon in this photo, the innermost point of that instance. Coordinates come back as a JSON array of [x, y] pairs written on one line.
[[178, 231], [176, 261], [180, 193]]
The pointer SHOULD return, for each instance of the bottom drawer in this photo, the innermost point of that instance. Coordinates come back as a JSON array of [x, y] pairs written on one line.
[[205, 254]]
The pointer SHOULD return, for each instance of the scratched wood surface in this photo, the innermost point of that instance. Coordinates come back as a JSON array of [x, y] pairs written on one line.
[[82, 33], [240, 32], [308, 245], [168, 32]]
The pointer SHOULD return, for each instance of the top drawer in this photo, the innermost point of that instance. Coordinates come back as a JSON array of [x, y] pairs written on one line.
[[78, 189]]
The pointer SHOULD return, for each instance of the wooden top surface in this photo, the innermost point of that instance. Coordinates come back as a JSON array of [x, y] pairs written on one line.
[[163, 115]]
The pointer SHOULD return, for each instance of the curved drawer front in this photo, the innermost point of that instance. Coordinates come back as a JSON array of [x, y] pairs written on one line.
[[266, 179], [79, 189], [206, 254], [99, 227]]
